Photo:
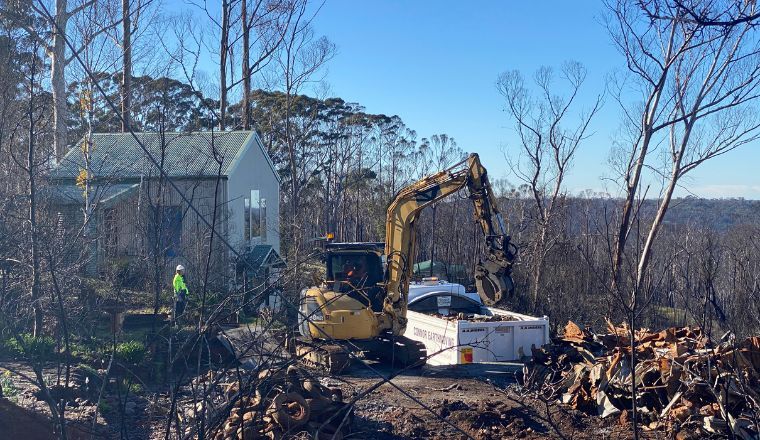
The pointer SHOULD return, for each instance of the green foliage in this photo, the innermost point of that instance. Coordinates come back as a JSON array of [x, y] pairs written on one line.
[[130, 353], [247, 319], [135, 388], [81, 351], [212, 298], [88, 370], [127, 272], [36, 349], [104, 407], [125, 386], [92, 350], [6, 348], [158, 103], [8, 387], [97, 288]]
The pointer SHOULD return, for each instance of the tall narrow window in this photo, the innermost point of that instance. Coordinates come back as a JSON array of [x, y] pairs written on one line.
[[263, 221], [111, 232], [60, 228], [255, 215], [166, 235], [172, 230], [247, 219]]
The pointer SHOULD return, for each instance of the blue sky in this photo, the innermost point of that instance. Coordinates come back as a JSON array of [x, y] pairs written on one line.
[[435, 64]]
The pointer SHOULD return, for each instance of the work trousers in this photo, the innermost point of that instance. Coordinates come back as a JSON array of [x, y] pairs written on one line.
[[179, 306]]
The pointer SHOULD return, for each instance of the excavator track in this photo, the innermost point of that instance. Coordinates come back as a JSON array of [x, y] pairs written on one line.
[[332, 358], [407, 353], [398, 351]]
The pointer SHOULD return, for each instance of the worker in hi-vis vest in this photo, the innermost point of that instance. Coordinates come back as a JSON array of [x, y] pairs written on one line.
[[180, 292]]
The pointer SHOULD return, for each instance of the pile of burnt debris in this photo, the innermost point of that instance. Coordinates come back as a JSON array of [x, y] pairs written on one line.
[[685, 383], [475, 317], [278, 404]]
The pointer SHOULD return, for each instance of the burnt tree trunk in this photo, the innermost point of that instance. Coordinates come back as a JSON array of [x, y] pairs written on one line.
[[246, 110], [223, 47], [31, 168], [126, 74], [58, 80]]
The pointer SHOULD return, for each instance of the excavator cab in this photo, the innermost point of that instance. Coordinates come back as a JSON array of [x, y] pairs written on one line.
[[356, 269]]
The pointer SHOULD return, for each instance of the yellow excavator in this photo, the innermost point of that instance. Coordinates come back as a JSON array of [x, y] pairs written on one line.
[[361, 304]]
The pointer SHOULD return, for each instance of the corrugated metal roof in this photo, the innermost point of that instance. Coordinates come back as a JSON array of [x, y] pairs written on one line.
[[118, 155], [261, 255]]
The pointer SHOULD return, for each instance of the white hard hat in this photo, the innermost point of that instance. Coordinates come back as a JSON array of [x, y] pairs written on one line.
[[180, 267]]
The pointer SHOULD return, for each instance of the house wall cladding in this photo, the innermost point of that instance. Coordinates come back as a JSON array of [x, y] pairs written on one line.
[[253, 171], [134, 225], [68, 221]]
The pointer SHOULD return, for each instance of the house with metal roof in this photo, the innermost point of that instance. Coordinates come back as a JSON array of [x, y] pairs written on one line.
[[224, 179]]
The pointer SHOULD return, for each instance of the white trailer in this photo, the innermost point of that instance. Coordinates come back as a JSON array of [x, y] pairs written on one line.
[[493, 335]]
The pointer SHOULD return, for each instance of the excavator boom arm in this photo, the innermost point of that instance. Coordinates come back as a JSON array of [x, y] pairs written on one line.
[[492, 274]]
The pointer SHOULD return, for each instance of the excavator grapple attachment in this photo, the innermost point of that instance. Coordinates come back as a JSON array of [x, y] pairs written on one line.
[[493, 282], [493, 275]]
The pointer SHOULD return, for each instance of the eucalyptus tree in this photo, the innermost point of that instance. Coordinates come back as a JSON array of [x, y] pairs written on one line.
[[550, 129], [695, 87]]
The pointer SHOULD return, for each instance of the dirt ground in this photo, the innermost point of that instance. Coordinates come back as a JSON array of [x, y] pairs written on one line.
[[19, 423], [23, 416], [480, 401], [475, 401]]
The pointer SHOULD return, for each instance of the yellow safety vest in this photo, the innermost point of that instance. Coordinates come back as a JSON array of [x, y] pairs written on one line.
[[179, 285]]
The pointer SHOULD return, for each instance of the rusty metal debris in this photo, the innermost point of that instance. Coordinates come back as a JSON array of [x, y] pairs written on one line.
[[278, 404], [291, 403], [686, 384]]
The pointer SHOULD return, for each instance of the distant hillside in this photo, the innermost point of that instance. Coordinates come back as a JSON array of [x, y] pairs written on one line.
[[720, 214], [717, 214]]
